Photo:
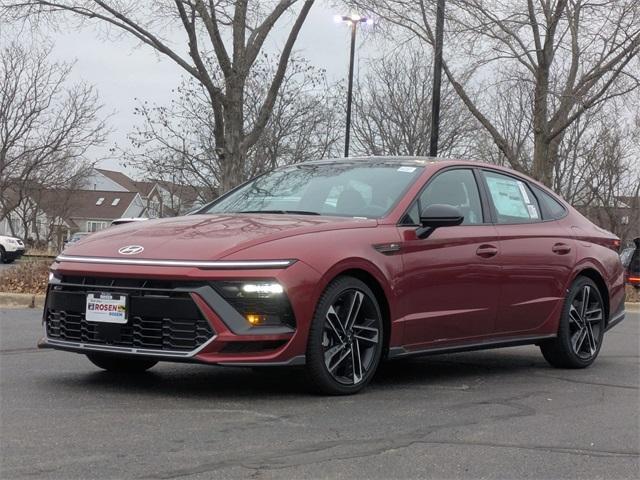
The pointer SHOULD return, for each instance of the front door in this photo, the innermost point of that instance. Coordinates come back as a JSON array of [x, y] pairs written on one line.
[[449, 289]]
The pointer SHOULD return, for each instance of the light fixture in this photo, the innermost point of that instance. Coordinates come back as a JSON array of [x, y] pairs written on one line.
[[54, 278], [255, 319], [263, 288]]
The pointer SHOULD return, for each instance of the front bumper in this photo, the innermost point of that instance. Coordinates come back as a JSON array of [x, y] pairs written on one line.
[[229, 339]]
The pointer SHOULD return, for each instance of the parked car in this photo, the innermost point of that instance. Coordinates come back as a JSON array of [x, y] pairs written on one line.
[[11, 248], [122, 221], [630, 258], [335, 265]]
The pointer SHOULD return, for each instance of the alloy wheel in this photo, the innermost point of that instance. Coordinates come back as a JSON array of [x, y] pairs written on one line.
[[351, 337], [585, 322]]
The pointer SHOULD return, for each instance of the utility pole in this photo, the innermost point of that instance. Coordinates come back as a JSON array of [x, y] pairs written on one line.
[[437, 81]]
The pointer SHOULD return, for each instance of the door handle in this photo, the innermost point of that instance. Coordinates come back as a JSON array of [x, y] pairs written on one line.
[[561, 248], [486, 251]]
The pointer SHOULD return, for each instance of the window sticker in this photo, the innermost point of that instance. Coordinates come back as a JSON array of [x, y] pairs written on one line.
[[407, 169], [533, 211], [525, 195], [507, 198]]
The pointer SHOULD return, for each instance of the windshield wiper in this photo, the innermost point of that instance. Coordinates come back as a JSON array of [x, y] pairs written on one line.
[[285, 212]]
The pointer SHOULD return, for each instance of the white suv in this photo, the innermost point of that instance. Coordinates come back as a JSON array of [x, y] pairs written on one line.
[[11, 248]]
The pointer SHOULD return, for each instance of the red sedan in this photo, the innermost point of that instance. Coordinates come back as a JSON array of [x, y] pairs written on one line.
[[335, 265]]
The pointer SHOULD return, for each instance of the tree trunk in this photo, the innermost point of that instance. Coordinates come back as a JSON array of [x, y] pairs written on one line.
[[234, 154]]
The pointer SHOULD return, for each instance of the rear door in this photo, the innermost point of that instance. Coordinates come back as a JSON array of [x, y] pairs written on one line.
[[537, 253], [449, 289]]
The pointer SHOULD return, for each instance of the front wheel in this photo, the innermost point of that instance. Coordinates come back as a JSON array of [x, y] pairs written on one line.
[[116, 364], [345, 339], [581, 329]]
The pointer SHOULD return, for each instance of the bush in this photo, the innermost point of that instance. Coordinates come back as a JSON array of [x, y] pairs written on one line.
[[26, 277]]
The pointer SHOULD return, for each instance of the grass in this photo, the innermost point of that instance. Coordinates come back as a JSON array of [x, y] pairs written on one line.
[[26, 277]]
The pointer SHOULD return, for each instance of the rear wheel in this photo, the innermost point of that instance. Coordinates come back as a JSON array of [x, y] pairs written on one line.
[[581, 329], [117, 364], [345, 339], [3, 255]]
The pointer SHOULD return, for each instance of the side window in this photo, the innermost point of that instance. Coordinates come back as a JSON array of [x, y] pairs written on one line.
[[550, 206], [457, 188], [512, 199]]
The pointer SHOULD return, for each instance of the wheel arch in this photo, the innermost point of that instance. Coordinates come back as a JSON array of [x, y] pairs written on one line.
[[381, 297], [598, 279], [376, 281]]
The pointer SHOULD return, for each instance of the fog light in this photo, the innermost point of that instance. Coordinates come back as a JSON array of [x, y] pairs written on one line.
[[255, 320], [263, 288]]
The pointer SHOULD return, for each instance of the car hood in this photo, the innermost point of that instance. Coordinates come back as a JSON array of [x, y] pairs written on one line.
[[205, 237]]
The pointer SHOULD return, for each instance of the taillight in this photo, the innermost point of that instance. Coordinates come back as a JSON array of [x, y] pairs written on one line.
[[635, 281], [614, 244]]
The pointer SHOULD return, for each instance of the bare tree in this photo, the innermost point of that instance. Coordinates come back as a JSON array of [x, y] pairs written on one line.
[[46, 126], [611, 183], [307, 120], [175, 142], [393, 109], [235, 31], [569, 55]]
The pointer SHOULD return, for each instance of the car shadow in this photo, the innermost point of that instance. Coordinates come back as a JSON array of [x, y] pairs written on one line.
[[202, 381]]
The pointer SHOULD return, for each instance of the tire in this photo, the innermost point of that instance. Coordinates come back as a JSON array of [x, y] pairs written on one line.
[[581, 328], [346, 338], [3, 255], [116, 364]]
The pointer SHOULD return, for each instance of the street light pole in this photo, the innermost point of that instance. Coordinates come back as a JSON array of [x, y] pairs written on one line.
[[347, 135], [437, 81], [353, 21]]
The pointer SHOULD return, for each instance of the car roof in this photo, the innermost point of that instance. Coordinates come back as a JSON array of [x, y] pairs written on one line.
[[379, 160], [417, 160]]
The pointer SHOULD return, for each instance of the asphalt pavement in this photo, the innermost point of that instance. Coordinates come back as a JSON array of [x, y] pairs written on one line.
[[7, 266], [492, 414]]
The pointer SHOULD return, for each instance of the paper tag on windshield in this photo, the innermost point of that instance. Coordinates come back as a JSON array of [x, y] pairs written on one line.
[[407, 169]]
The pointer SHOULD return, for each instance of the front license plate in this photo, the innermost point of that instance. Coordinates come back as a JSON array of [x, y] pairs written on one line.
[[106, 308]]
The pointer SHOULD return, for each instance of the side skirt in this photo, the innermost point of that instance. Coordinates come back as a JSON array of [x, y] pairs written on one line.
[[616, 319], [402, 352]]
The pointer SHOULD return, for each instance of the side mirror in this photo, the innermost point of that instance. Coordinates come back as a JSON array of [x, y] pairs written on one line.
[[438, 215]]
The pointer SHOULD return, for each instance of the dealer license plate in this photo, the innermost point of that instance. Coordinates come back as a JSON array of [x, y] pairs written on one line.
[[106, 308]]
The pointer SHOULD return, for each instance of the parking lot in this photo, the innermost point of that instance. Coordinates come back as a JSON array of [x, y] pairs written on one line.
[[7, 266], [492, 414]]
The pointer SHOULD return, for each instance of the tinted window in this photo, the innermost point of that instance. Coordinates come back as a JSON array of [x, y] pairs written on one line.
[[348, 189], [625, 256], [453, 187], [512, 199], [551, 207]]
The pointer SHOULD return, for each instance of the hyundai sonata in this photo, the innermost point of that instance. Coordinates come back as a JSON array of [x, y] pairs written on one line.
[[336, 265]]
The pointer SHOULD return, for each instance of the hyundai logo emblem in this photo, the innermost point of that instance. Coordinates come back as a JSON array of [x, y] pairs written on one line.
[[131, 250]]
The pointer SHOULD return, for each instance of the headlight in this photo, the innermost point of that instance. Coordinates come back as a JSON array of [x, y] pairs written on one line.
[[261, 303], [54, 278], [265, 289]]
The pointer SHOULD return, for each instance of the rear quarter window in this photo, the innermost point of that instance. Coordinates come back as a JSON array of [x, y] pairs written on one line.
[[551, 208]]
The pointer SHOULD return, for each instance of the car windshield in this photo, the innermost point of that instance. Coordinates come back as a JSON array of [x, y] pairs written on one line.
[[348, 190]]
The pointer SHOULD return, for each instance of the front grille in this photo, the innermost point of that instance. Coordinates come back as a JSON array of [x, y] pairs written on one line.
[[160, 317]]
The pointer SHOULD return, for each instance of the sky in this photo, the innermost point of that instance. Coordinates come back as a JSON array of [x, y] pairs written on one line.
[[123, 71]]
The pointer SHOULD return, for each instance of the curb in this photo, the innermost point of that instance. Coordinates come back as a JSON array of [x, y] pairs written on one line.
[[632, 306], [21, 300]]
